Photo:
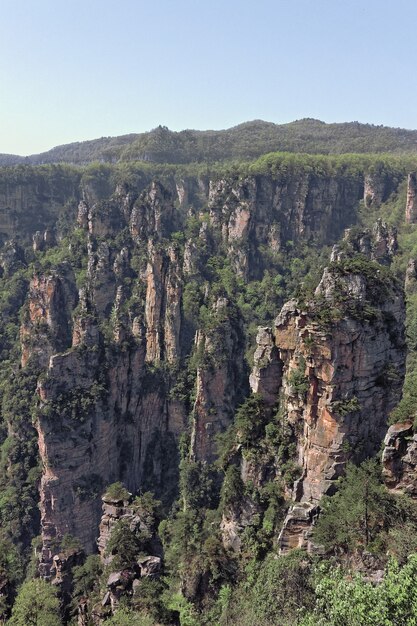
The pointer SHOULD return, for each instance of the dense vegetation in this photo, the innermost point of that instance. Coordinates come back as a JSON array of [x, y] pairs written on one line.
[[245, 141]]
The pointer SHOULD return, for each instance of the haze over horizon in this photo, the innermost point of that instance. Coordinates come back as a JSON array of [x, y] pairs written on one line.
[[75, 71]]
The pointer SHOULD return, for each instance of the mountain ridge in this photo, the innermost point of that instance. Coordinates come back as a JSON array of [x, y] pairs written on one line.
[[244, 141]]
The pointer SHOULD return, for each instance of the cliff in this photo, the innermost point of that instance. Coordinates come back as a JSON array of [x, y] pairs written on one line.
[[137, 314], [334, 364]]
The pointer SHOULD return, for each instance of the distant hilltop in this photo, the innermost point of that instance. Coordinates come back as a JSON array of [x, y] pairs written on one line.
[[245, 141]]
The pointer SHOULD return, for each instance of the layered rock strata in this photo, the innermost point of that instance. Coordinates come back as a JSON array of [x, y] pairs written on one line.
[[107, 410], [335, 357]]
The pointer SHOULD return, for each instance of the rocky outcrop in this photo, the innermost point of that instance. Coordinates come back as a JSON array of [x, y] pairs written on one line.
[[377, 188], [411, 205], [153, 214], [334, 386], [399, 459], [12, 258], [114, 510], [379, 243], [31, 200], [220, 379], [47, 324], [122, 510], [266, 374], [42, 241], [163, 305], [261, 211], [335, 358]]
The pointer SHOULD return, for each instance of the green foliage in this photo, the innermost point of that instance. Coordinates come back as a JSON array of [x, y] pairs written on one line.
[[188, 616], [297, 379], [148, 509], [124, 544], [86, 576], [116, 491], [70, 544], [128, 617], [233, 487], [346, 406], [198, 485], [276, 591], [36, 605], [245, 141], [150, 598], [363, 514], [88, 487], [250, 420], [406, 410], [349, 600], [74, 404]]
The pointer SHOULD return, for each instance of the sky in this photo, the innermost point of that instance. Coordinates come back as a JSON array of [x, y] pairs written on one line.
[[72, 70]]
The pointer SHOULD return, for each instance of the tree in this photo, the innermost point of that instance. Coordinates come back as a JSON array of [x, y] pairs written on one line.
[[124, 544], [343, 599], [127, 617], [36, 604], [353, 517]]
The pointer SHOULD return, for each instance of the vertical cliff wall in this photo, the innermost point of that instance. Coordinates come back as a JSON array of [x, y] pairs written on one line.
[[339, 359], [104, 320]]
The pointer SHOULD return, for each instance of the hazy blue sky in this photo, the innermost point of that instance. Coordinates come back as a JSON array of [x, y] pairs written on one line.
[[80, 69]]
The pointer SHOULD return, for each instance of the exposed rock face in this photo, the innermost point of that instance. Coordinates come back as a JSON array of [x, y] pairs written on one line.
[[31, 201], [107, 410], [163, 306], [399, 459], [44, 240], [377, 188], [219, 379], [153, 214], [113, 511], [334, 380], [11, 258], [121, 427], [47, 326], [125, 510], [260, 211], [266, 374], [124, 582], [379, 244], [411, 206], [347, 402]]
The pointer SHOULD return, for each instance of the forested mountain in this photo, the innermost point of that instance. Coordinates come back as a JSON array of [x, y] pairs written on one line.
[[207, 384], [243, 142]]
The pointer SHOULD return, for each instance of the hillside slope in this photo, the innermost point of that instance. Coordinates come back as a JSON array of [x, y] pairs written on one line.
[[245, 141]]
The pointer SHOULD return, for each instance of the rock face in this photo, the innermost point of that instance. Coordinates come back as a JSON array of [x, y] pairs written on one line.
[[263, 211], [118, 510], [377, 188], [411, 206], [220, 379], [335, 373], [31, 201], [266, 375], [399, 459], [111, 353], [47, 325]]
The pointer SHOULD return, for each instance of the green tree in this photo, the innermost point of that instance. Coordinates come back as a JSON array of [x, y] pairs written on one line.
[[127, 617], [343, 599], [36, 605], [353, 517], [124, 544]]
